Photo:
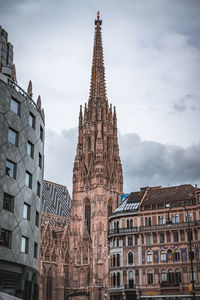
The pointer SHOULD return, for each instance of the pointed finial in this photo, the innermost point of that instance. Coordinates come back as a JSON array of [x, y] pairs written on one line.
[[30, 90], [13, 74], [39, 102], [98, 15]]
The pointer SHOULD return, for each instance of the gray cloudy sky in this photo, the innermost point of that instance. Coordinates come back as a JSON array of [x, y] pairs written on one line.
[[152, 60]]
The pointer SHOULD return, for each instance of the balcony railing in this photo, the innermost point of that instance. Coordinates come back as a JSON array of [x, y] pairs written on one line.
[[153, 227], [121, 288], [167, 284]]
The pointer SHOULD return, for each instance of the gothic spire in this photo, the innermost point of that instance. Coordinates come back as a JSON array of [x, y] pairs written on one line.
[[98, 86]]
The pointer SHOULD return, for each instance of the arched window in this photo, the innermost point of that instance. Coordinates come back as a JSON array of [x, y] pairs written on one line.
[[88, 215], [149, 256], [130, 279], [170, 276], [177, 276], [163, 276], [118, 279], [149, 277], [177, 255], [113, 260], [130, 258], [114, 279], [162, 255], [118, 260]]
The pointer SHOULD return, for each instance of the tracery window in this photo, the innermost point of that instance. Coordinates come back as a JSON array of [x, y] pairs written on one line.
[[88, 215], [162, 255]]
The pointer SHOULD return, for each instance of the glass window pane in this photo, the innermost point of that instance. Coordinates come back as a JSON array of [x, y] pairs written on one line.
[[25, 211], [12, 136], [23, 244], [14, 106], [10, 169]]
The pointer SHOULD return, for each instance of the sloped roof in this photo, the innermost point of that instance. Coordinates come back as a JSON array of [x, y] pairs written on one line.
[[169, 194], [55, 199], [130, 203]]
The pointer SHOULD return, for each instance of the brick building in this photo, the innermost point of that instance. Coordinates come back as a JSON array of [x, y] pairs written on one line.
[[150, 256]]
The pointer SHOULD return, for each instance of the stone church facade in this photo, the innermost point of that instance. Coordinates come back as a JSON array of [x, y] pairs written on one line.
[[79, 267]]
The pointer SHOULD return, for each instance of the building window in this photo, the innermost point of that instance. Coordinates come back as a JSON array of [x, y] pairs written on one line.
[[114, 279], [37, 219], [30, 149], [182, 233], [130, 241], [12, 136], [175, 235], [118, 260], [35, 250], [130, 279], [38, 189], [148, 221], [40, 160], [26, 211], [149, 277], [8, 202], [162, 255], [177, 276], [190, 235], [130, 258], [113, 259], [149, 256], [41, 133], [168, 235], [171, 276], [88, 215], [15, 106], [24, 244], [118, 279], [188, 217], [154, 237], [5, 238], [161, 220], [162, 238], [127, 224], [31, 120], [10, 169], [28, 179], [163, 276], [148, 239], [177, 255]]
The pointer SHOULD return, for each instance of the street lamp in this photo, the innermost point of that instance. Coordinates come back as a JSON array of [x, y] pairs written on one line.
[[169, 221]]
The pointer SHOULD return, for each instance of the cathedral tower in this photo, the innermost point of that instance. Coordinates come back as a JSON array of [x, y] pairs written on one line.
[[97, 186]]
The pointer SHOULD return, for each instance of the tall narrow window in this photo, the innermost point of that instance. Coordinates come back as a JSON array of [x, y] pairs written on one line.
[[149, 277], [118, 279], [15, 106], [28, 179], [38, 189], [163, 276], [8, 202], [24, 244], [130, 258], [130, 279], [40, 160], [30, 149], [35, 250], [10, 169], [118, 260], [149, 256], [41, 133], [37, 219], [31, 120], [26, 211], [12, 136], [5, 238], [88, 215]]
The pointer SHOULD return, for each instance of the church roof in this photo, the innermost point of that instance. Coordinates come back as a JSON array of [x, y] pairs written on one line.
[[55, 199]]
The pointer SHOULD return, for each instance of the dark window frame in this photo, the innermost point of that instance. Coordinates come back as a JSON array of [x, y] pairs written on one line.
[[16, 136], [8, 202], [5, 237], [18, 106], [14, 169]]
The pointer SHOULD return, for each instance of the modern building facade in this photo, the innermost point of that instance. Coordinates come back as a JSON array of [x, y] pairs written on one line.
[[21, 175], [150, 257]]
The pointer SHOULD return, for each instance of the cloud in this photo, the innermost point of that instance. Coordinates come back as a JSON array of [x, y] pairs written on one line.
[[145, 163]]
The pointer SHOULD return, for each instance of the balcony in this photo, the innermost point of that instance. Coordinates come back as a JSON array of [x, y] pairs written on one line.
[[121, 288], [121, 231]]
